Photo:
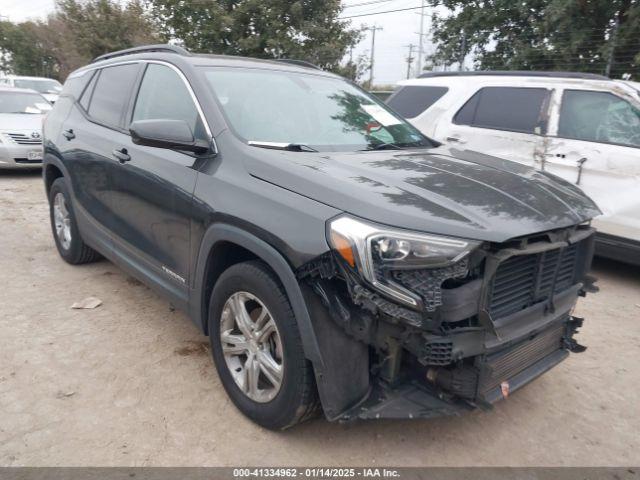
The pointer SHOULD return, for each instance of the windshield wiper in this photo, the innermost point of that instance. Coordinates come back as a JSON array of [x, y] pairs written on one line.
[[292, 147], [383, 146]]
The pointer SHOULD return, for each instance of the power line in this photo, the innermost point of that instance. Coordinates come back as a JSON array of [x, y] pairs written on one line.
[[380, 13], [366, 3]]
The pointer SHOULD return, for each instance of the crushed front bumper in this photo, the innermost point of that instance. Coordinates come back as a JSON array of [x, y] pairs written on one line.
[[506, 323], [497, 375]]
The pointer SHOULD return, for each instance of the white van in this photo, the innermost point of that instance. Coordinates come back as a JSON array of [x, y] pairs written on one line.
[[584, 128]]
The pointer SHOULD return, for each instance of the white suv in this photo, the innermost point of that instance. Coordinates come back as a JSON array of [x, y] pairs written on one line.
[[584, 128]]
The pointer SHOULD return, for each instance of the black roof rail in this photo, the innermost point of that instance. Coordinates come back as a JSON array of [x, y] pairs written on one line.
[[300, 63], [517, 73], [143, 49]]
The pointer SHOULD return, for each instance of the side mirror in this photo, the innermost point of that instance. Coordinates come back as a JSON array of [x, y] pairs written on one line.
[[171, 134]]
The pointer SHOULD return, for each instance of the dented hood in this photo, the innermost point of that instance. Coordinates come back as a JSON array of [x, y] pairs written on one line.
[[441, 190]]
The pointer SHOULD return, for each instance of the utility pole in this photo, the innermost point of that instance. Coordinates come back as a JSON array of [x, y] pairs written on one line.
[[410, 59], [373, 29], [612, 50], [463, 51], [421, 40]]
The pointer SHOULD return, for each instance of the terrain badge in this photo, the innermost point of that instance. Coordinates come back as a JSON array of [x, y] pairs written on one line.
[[504, 386]]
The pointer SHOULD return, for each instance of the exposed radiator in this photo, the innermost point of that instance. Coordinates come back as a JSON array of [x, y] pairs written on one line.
[[504, 365]]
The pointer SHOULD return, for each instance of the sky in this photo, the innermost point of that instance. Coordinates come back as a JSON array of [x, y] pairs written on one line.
[[399, 29]]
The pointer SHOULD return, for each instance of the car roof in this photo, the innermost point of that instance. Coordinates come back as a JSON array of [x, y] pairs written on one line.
[[518, 79], [17, 90], [517, 73], [170, 52], [26, 77]]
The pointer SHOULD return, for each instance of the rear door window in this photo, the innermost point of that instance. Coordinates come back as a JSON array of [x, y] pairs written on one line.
[[111, 94], [411, 100], [506, 108], [599, 117]]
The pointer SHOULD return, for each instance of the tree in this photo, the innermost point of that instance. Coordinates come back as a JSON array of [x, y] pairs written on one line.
[[78, 31], [354, 68], [582, 35], [303, 29], [22, 51], [101, 26]]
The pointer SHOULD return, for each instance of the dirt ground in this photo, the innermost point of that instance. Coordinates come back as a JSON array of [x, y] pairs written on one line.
[[131, 383]]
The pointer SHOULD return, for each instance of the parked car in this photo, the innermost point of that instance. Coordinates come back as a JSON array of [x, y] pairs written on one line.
[[335, 256], [584, 128], [48, 87], [21, 115], [635, 86]]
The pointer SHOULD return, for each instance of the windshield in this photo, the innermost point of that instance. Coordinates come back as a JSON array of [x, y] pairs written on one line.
[[14, 102], [42, 86], [320, 112]]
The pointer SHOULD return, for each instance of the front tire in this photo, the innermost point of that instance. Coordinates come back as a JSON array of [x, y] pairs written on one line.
[[257, 348], [69, 243]]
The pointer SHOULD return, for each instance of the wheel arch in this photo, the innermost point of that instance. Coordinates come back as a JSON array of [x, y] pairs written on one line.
[[224, 245], [51, 172], [53, 169]]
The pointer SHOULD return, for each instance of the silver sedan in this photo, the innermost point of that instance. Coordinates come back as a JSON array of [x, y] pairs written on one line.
[[21, 116]]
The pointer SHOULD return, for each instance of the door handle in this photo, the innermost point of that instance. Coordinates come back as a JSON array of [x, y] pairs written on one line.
[[68, 134], [121, 155], [455, 140]]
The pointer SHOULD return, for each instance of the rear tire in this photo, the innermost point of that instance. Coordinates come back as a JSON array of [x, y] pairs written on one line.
[[69, 243], [251, 288]]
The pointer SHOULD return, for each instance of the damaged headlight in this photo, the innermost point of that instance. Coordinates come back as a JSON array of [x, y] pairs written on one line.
[[374, 249]]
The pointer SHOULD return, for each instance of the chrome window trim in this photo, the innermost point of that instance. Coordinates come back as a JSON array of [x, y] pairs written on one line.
[[175, 69]]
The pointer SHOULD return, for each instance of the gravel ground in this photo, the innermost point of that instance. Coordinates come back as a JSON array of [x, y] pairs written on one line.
[[131, 383]]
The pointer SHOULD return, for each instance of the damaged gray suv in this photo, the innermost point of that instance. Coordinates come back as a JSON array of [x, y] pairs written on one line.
[[338, 260]]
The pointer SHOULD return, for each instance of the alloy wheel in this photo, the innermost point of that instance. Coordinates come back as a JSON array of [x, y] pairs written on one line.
[[252, 346], [62, 220]]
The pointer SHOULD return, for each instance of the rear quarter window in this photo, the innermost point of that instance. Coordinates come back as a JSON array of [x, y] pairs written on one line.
[[411, 100], [75, 85], [512, 109], [86, 95]]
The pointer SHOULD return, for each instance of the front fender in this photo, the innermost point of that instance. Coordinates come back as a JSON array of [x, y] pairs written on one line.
[[221, 232], [340, 363]]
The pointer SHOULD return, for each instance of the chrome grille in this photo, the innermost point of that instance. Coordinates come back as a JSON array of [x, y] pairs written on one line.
[[523, 280], [23, 139]]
